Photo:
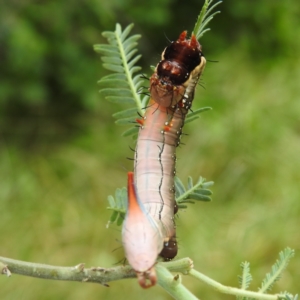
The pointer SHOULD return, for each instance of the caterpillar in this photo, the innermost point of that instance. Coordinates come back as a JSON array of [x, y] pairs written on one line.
[[149, 227]]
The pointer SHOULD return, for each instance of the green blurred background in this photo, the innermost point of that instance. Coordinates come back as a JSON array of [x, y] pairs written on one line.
[[61, 154]]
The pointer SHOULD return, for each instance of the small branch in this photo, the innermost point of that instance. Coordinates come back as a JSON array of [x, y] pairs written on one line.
[[76, 273], [231, 290], [80, 273], [183, 265], [172, 284]]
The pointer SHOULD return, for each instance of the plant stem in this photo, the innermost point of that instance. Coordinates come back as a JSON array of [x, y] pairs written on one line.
[[172, 284], [79, 272], [76, 273], [231, 290]]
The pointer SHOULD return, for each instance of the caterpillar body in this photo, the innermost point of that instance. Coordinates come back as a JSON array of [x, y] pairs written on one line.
[[149, 227]]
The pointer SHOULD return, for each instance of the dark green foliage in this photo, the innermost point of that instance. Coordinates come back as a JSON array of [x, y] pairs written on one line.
[[48, 68]]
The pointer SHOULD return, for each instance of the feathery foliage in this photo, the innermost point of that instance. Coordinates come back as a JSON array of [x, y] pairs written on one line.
[[193, 115], [244, 279], [204, 18], [119, 56], [198, 191], [276, 270], [287, 296], [118, 205], [270, 279]]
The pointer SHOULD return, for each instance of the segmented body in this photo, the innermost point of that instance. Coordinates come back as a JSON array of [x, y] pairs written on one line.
[[149, 229]]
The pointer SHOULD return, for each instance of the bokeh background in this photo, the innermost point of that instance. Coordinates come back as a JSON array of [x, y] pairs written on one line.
[[61, 154]]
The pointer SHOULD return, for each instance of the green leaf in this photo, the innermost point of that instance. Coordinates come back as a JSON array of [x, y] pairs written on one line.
[[108, 34], [133, 61], [111, 201], [119, 56], [131, 131], [126, 32], [208, 184], [198, 111], [112, 83], [114, 77], [113, 216], [197, 192], [276, 270], [125, 113], [204, 18], [120, 219], [203, 192], [115, 68], [246, 277], [118, 99], [109, 50], [130, 54], [115, 92], [118, 205], [199, 197], [190, 183], [111, 60], [125, 121], [188, 120], [179, 187]]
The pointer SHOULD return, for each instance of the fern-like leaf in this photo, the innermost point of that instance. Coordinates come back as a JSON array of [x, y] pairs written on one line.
[[119, 56], [245, 279], [193, 115], [287, 296], [205, 17], [197, 192], [276, 270], [118, 205]]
